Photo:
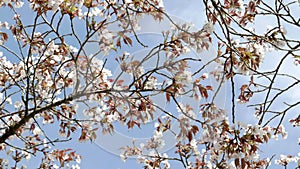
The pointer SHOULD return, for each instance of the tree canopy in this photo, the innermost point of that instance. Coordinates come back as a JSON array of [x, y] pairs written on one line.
[[79, 69]]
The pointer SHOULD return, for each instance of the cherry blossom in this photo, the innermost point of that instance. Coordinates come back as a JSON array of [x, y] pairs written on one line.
[[58, 77]]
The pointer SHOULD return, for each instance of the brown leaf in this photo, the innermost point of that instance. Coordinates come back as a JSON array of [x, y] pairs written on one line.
[[159, 120], [237, 162], [118, 44], [266, 138], [130, 124], [168, 97], [4, 36], [194, 129], [190, 136], [32, 127], [142, 106], [127, 40], [243, 163], [203, 91], [209, 88], [244, 87]]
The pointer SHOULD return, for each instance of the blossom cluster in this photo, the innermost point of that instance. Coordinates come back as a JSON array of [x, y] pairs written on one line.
[[53, 78]]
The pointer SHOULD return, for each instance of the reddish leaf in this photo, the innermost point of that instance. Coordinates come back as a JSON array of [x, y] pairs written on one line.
[[130, 124], [203, 91], [32, 127], [68, 134], [137, 123], [190, 136], [243, 163], [194, 129], [118, 44], [266, 138], [73, 129], [168, 97], [127, 40], [243, 87], [209, 88], [237, 162], [159, 120], [142, 106], [4, 36]]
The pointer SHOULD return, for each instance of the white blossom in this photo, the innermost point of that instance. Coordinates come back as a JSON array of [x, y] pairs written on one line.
[[27, 155], [18, 4], [76, 166], [37, 131], [157, 135], [259, 50], [284, 160], [140, 159], [165, 161], [184, 77], [123, 157], [16, 118], [205, 75], [112, 117], [54, 4], [151, 83], [1, 97], [208, 27], [128, 1]]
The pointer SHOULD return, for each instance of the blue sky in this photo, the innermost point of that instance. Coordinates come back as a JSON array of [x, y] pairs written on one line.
[[192, 11], [102, 153]]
